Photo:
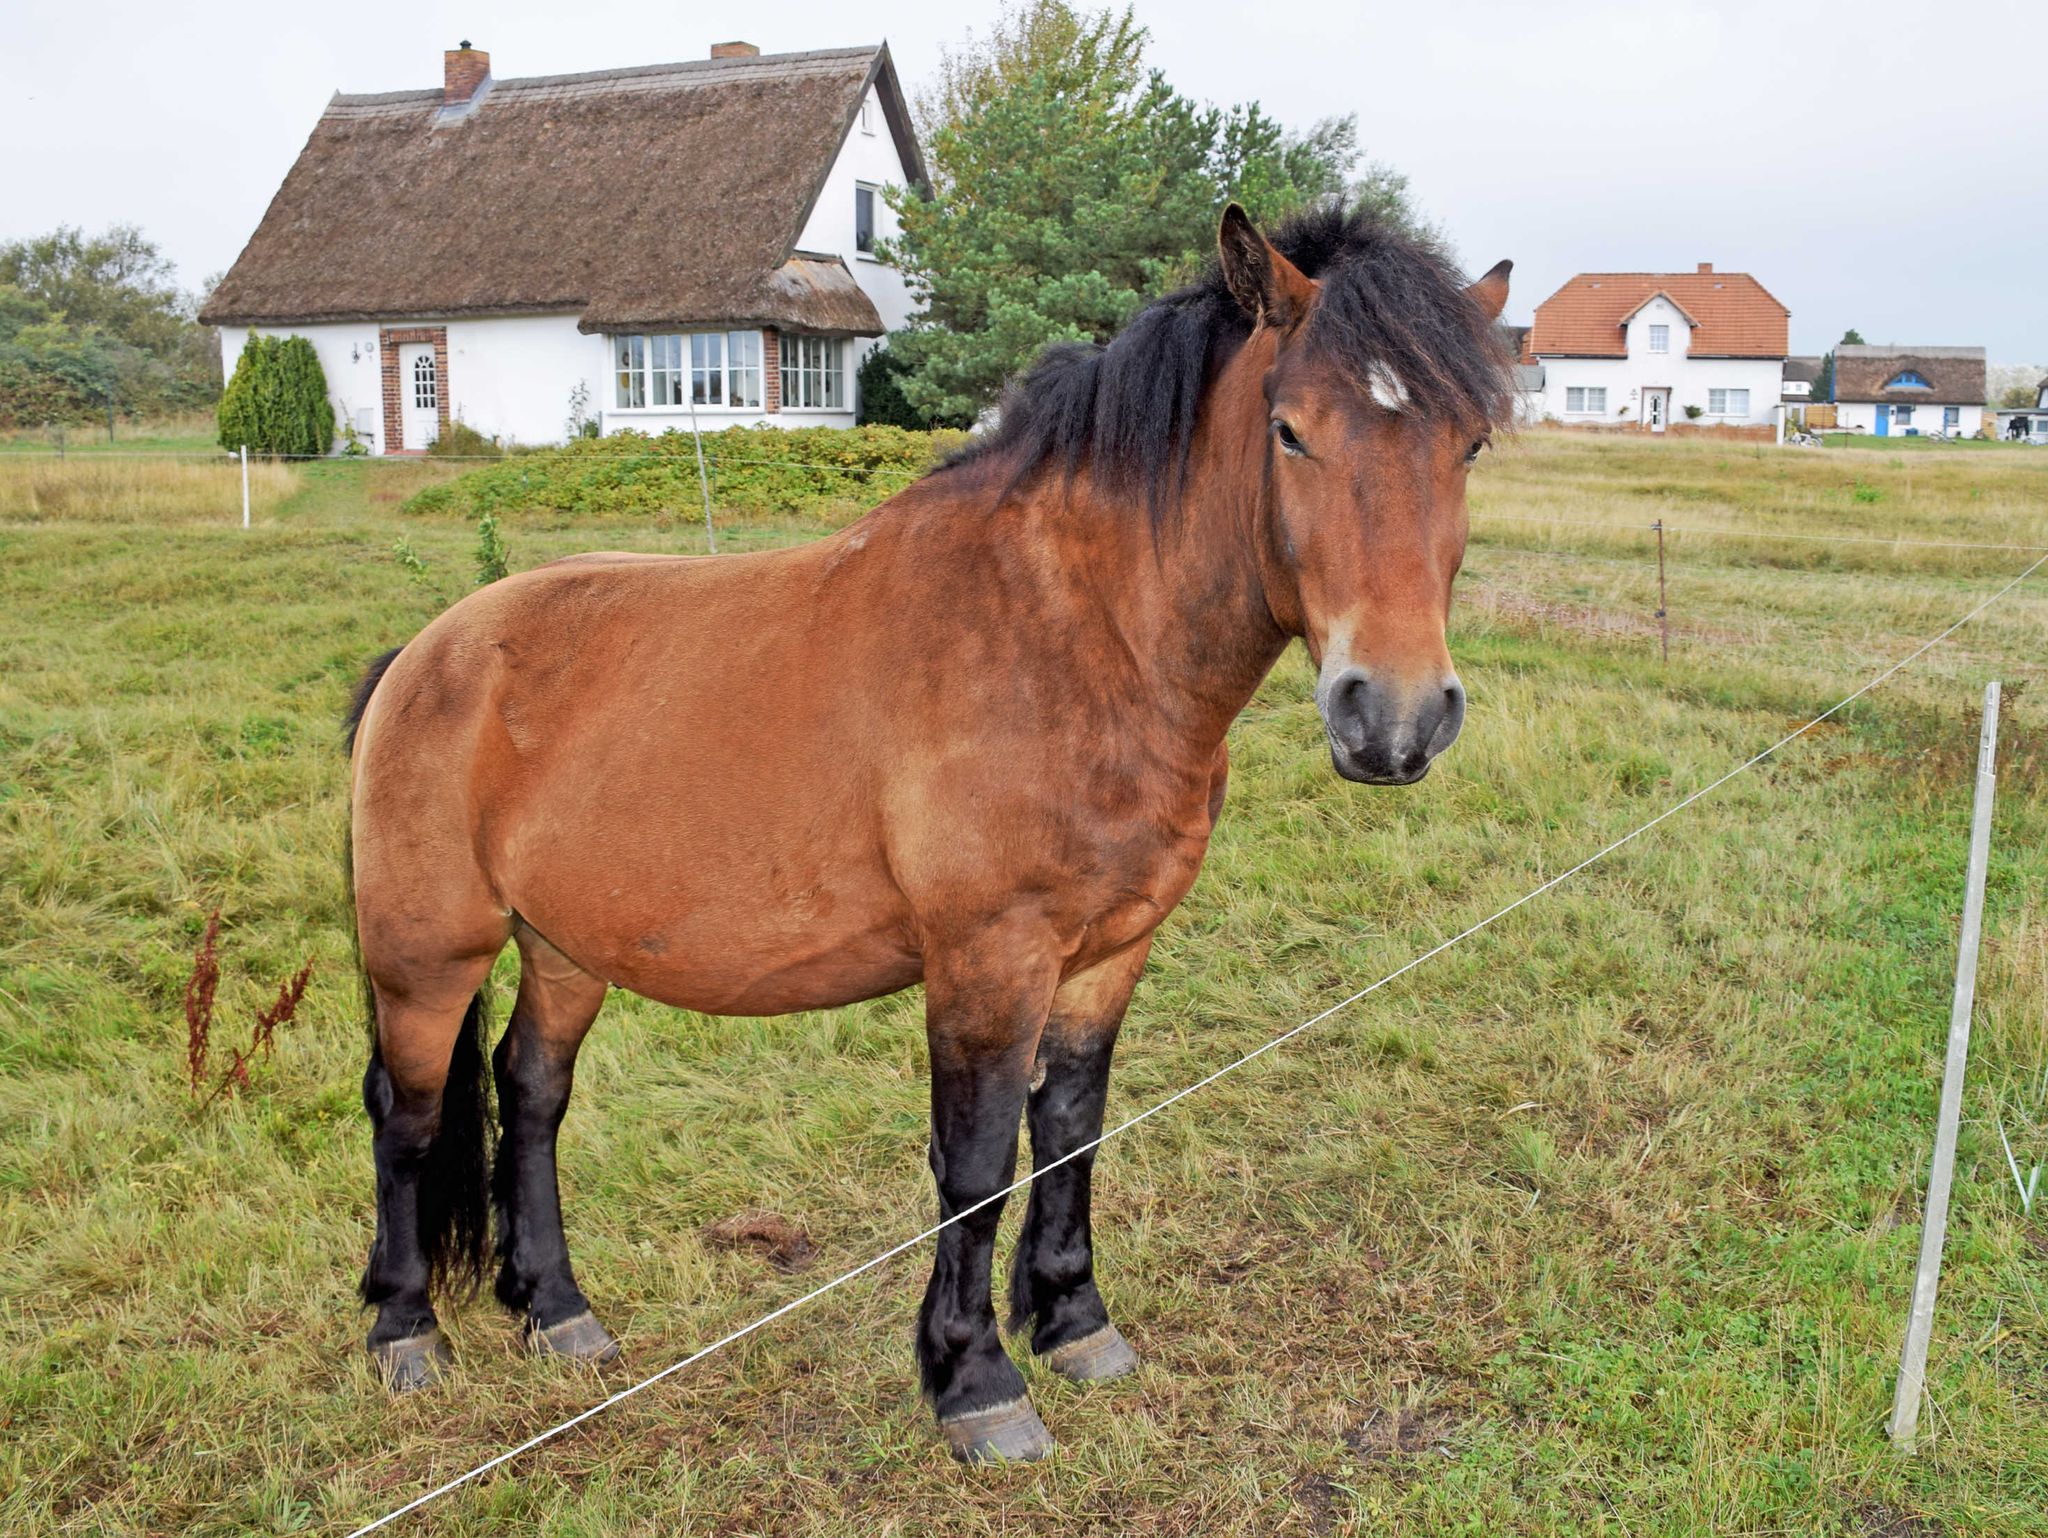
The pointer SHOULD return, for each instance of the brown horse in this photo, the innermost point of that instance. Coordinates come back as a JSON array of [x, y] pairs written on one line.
[[975, 740]]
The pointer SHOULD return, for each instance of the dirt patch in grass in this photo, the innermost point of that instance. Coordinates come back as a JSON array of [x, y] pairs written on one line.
[[770, 1235], [1874, 1519], [1386, 1434]]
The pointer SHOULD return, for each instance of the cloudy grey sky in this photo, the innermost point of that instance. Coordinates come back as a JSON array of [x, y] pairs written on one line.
[[1882, 164]]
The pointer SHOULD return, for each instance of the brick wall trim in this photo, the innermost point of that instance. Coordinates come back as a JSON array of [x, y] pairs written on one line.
[[389, 340]]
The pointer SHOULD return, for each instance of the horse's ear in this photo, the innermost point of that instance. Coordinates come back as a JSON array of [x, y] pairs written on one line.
[[1271, 289], [1490, 293]]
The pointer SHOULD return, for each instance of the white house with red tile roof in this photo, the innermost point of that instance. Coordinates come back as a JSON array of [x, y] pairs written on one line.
[[1656, 350]]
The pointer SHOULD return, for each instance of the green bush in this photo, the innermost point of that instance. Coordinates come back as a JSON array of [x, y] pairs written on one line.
[[277, 401], [879, 386], [823, 471], [458, 440]]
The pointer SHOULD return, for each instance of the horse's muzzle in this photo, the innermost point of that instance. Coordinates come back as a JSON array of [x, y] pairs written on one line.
[[1381, 735]]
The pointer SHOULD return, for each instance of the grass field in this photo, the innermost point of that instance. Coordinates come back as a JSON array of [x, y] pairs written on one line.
[[1601, 1222]]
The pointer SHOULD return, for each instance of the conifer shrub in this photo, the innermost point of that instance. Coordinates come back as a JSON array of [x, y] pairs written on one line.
[[277, 403]]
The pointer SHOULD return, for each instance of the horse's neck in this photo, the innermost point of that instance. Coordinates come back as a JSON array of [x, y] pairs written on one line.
[[1187, 599]]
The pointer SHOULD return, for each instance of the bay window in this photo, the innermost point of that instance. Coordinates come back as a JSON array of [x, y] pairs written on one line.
[[680, 369]]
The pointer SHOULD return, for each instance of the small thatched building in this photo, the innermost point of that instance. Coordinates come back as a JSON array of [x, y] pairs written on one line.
[[1909, 391], [622, 247]]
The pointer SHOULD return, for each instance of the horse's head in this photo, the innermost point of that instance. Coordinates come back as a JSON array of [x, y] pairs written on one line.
[[1364, 483]]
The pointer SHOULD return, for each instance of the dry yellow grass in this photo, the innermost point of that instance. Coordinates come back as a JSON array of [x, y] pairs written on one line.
[[149, 489]]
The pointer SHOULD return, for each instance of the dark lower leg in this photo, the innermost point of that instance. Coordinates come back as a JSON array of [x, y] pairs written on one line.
[[535, 1068], [975, 1109], [534, 1275], [1053, 1277], [395, 1280]]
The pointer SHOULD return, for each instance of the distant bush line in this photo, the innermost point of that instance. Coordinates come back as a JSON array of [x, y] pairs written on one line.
[[819, 471]]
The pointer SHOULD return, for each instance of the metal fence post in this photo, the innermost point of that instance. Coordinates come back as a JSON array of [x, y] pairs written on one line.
[[1663, 623], [245, 485], [1905, 1419]]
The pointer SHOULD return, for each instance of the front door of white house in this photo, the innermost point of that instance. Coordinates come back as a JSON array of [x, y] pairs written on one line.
[[1656, 407], [419, 385]]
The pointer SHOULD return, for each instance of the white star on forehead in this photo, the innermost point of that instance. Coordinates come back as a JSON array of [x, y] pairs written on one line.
[[1387, 390]]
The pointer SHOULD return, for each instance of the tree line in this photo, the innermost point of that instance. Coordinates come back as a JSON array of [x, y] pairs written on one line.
[[93, 324]]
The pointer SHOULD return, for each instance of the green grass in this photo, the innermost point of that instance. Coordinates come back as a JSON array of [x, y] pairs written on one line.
[[1834, 440], [1601, 1222]]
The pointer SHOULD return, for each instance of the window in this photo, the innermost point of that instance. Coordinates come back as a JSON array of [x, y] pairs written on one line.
[[631, 363], [702, 368], [1660, 339], [423, 391], [813, 373], [1901, 415], [664, 370], [1585, 398], [1951, 418], [867, 114], [1727, 403], [1909, 380], [864, 219]]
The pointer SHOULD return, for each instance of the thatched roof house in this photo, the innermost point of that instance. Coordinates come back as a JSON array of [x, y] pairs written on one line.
[[1909, 391], [710, 227]]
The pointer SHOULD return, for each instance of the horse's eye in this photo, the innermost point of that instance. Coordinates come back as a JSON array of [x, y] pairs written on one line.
[[1472, 454], [1288, 442]]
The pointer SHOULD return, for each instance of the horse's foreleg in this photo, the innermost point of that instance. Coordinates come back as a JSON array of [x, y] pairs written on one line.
[[984, 1012], [1053, 1278], [535, 1068]]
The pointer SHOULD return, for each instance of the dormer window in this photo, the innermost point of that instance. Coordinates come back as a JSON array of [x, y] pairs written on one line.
[[1660, 339], [1909, 380]]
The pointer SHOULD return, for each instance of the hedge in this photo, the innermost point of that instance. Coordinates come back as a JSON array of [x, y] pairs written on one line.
[[828, 471]]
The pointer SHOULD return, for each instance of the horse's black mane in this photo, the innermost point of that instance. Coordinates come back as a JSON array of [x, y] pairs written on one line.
[[1127, 410]]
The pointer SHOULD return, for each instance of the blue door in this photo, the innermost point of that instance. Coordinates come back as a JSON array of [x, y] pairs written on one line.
[[1884, 421]]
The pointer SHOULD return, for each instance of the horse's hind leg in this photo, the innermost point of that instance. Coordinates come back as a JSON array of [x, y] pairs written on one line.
[[1053, 1277], [423, 1091], [535, 1065]]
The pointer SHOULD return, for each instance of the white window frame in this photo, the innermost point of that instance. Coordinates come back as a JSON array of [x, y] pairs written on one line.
[[814, 373], [661, 371], [1720, 401], [867, 114], [1592, 400], [1660, 337]]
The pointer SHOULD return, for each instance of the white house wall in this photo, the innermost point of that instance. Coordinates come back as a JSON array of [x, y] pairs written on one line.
[[867, 156], [1861, 417], [510, 376]]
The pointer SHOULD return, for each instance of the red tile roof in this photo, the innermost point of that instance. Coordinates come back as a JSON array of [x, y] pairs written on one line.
[[1735, 316]]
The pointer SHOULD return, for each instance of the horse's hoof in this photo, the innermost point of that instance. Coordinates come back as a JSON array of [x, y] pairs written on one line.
[[580, 1338], [1004, 1433], [1094, 1358], [417, 1362]]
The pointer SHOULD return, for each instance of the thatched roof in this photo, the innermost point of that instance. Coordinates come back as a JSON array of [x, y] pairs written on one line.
[[1954, 375], [666, 196]]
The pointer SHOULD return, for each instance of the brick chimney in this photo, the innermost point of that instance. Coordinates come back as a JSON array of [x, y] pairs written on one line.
[[1706, 266], [734, 51], [463, 70]]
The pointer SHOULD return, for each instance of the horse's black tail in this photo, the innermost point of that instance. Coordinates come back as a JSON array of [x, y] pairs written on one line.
[[454, 1174]]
